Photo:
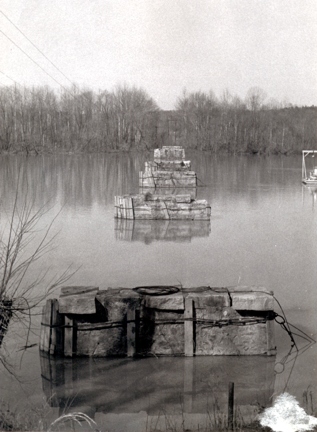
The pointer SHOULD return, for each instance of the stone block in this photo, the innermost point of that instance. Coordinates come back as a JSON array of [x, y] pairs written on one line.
[[151, 206], [210, 305], [257, 301], [168, 179], [168, 339], [247, 288], [77, 304], [78, 290], [116, 303], [168, 335], [138, 200], [161, 332], [169, 153], [170, 191], [105, 323], [183, 198], [167, 302], [231, 340], [143, 212], [174, 165], [100, 340]]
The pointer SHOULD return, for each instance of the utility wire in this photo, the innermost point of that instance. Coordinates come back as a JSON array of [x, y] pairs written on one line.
[[36, 47], [7, 76], [15, 82], [21, 49], [45, 56]]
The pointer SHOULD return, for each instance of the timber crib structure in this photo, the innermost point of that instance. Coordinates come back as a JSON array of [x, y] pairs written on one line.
[[159, 321], [169, 172]]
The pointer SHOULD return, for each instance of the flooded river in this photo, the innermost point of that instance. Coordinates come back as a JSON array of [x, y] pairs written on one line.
[[263, 231]]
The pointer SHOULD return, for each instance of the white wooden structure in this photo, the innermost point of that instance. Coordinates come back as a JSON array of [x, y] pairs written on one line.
[[309, 176]]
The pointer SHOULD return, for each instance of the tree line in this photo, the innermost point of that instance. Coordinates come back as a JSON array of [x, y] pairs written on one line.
[[38, 120]]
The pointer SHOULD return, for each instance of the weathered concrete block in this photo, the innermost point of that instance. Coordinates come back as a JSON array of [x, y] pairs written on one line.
[[162, 334], [78, 290], [138, 200], [174, 165], [169, 152], [231, 340], [145, 212], [170, 191], [148, 206], [98, 341], [116, 304], [128, 293], [167, 302], [210, 305], [182, 198], [77, 304], [168, 339], [122, 321], [257, 301], [168, 179]]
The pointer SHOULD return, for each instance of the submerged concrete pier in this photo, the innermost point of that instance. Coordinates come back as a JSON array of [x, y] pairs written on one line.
[[148, 231], [162, 207], [169, 171], [159, 321]]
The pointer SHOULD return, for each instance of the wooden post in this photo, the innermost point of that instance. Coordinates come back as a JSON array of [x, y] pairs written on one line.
[[124, 202], [270, 334], [115, 206], [69, 330], [131, 331], [57, 321], [230, 405], [45, 335], [189, 328], [131, 208]]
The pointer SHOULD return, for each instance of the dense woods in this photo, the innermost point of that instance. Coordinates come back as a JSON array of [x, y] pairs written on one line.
[[37, 120]]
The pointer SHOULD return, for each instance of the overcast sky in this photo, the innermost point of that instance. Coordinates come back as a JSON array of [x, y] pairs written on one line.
[[165, 46]]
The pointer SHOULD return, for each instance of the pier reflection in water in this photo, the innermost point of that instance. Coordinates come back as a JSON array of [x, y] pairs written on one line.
[[147, 231], [313, 192], [156, 389]]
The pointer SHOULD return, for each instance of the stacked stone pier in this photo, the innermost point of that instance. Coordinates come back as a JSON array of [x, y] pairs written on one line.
[[159, 321], [169, 171]]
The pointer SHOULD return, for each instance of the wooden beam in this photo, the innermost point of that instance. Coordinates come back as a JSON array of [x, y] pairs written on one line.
[[270, 334], [69, 330], [57, 321], [131, 331], [45, 334], [189, 328]]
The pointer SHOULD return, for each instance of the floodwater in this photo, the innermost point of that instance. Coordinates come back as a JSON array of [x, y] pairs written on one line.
[[263, 231]]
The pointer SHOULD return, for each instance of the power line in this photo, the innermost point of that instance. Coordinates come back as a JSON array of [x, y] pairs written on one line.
[[35, 46], [7, 76], [73, 95], [21, 49], [15, 82]]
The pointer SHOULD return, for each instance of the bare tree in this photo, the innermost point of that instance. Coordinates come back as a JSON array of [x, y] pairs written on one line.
[[255, 98], [21, 246]]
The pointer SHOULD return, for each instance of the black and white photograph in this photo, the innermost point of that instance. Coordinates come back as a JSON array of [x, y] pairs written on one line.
[[158, 215]]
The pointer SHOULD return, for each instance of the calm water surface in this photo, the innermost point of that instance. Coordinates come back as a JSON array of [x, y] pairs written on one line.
[[262, 232]]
